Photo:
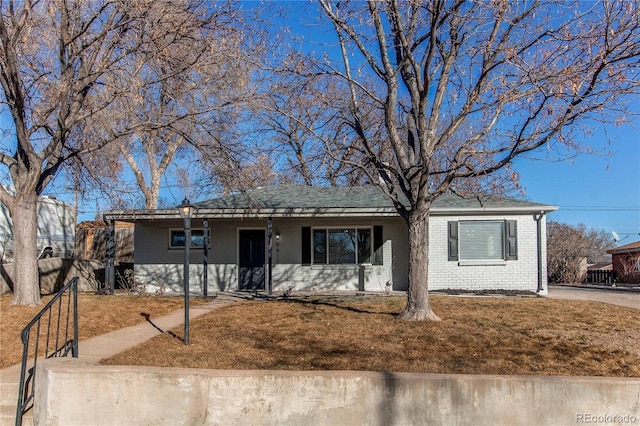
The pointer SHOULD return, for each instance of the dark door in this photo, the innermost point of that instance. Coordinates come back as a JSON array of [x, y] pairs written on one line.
[[252, 259]]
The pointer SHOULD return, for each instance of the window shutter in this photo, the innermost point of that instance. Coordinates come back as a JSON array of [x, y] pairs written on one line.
[[453, 240], [511, 240], [378, 258], [306, 245]]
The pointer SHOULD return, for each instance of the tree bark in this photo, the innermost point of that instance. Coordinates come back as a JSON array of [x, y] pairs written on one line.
[[418, 308], [25, 250]]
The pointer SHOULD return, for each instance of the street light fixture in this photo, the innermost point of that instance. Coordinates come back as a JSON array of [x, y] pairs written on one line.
[[186, 210]]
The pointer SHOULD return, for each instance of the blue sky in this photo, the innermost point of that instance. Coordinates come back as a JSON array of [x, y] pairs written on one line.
[[599, 191]]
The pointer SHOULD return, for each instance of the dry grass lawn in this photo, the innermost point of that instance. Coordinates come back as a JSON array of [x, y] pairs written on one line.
[[96, 315], [480, 335]]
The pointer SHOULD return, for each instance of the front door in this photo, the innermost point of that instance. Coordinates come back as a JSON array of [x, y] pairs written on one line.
[[251, 260]]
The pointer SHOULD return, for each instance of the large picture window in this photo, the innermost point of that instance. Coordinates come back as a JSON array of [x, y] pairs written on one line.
[[342, 246], [483, 240], [177, 237]]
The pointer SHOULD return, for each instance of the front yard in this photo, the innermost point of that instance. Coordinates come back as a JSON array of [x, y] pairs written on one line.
[[479, 335], [96, 315]]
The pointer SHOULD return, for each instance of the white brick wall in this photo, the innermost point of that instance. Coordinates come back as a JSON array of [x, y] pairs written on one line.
[[520, 274]]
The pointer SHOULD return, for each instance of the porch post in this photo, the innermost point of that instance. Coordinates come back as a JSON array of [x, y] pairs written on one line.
[[110, 273], [270, 253], [205, 253]]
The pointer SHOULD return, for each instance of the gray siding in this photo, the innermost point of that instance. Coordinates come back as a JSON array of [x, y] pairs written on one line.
[[157, 264]]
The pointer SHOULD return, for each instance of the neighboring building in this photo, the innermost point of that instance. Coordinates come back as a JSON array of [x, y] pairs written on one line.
[[56, 230], [600, 266], [626, 262], [313, 238]]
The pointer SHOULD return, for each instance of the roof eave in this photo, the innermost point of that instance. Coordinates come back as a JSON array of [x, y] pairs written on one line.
[[456, 211], [624, 251], [172, 214]]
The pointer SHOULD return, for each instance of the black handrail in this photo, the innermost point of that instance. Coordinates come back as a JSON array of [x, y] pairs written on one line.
[[61, 343]]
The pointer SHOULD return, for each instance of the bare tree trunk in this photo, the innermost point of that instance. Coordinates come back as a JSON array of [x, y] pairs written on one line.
[[153, 193], [25, 250], [418, 308]]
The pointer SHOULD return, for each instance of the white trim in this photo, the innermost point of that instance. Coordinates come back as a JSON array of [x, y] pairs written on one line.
[[496, 262], [483, 259], [204, 213], [456, 211]]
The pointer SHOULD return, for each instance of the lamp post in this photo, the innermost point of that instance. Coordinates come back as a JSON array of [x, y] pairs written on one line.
[[186, 210]]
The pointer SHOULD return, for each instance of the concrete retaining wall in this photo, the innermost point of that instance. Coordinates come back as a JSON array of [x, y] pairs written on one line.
[[70, 392]]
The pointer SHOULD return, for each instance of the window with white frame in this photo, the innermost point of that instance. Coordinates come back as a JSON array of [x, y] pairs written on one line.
[[336, 246], [177, 238], [483, 240]]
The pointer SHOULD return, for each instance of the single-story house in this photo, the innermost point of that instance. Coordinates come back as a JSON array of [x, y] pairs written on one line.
[[626, 262], [292, 237]]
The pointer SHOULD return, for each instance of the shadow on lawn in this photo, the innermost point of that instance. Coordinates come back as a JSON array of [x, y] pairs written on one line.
[[337, 305]]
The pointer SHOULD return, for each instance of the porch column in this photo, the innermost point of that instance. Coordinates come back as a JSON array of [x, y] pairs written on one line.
[[270, 254], [205, 255], [110, 245]]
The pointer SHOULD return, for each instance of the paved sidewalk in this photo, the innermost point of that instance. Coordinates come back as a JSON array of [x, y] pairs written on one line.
[[107, 345]]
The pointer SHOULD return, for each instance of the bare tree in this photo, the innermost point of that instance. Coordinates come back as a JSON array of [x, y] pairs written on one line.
[[184, 89], [302, 134], [463, 88], [60, 69], [570, 249]]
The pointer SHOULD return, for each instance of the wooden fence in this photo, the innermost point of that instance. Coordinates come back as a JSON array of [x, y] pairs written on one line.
[[601, 277], [91, 241]]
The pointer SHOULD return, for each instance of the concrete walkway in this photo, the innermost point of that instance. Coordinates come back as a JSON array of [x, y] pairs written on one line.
[[614, 296], [97, 348]]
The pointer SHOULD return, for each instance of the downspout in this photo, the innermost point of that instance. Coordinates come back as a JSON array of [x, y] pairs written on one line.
[[538, 219]]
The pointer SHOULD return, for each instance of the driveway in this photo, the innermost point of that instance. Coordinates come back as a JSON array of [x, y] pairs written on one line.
[[627, 299]]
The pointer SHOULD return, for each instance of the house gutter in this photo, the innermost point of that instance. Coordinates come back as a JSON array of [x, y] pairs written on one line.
[[300, 212]]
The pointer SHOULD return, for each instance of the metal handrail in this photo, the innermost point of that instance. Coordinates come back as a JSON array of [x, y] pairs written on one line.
[[61, 343]]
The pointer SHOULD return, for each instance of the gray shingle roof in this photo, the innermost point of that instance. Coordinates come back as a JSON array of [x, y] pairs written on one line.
[[313, 197]]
